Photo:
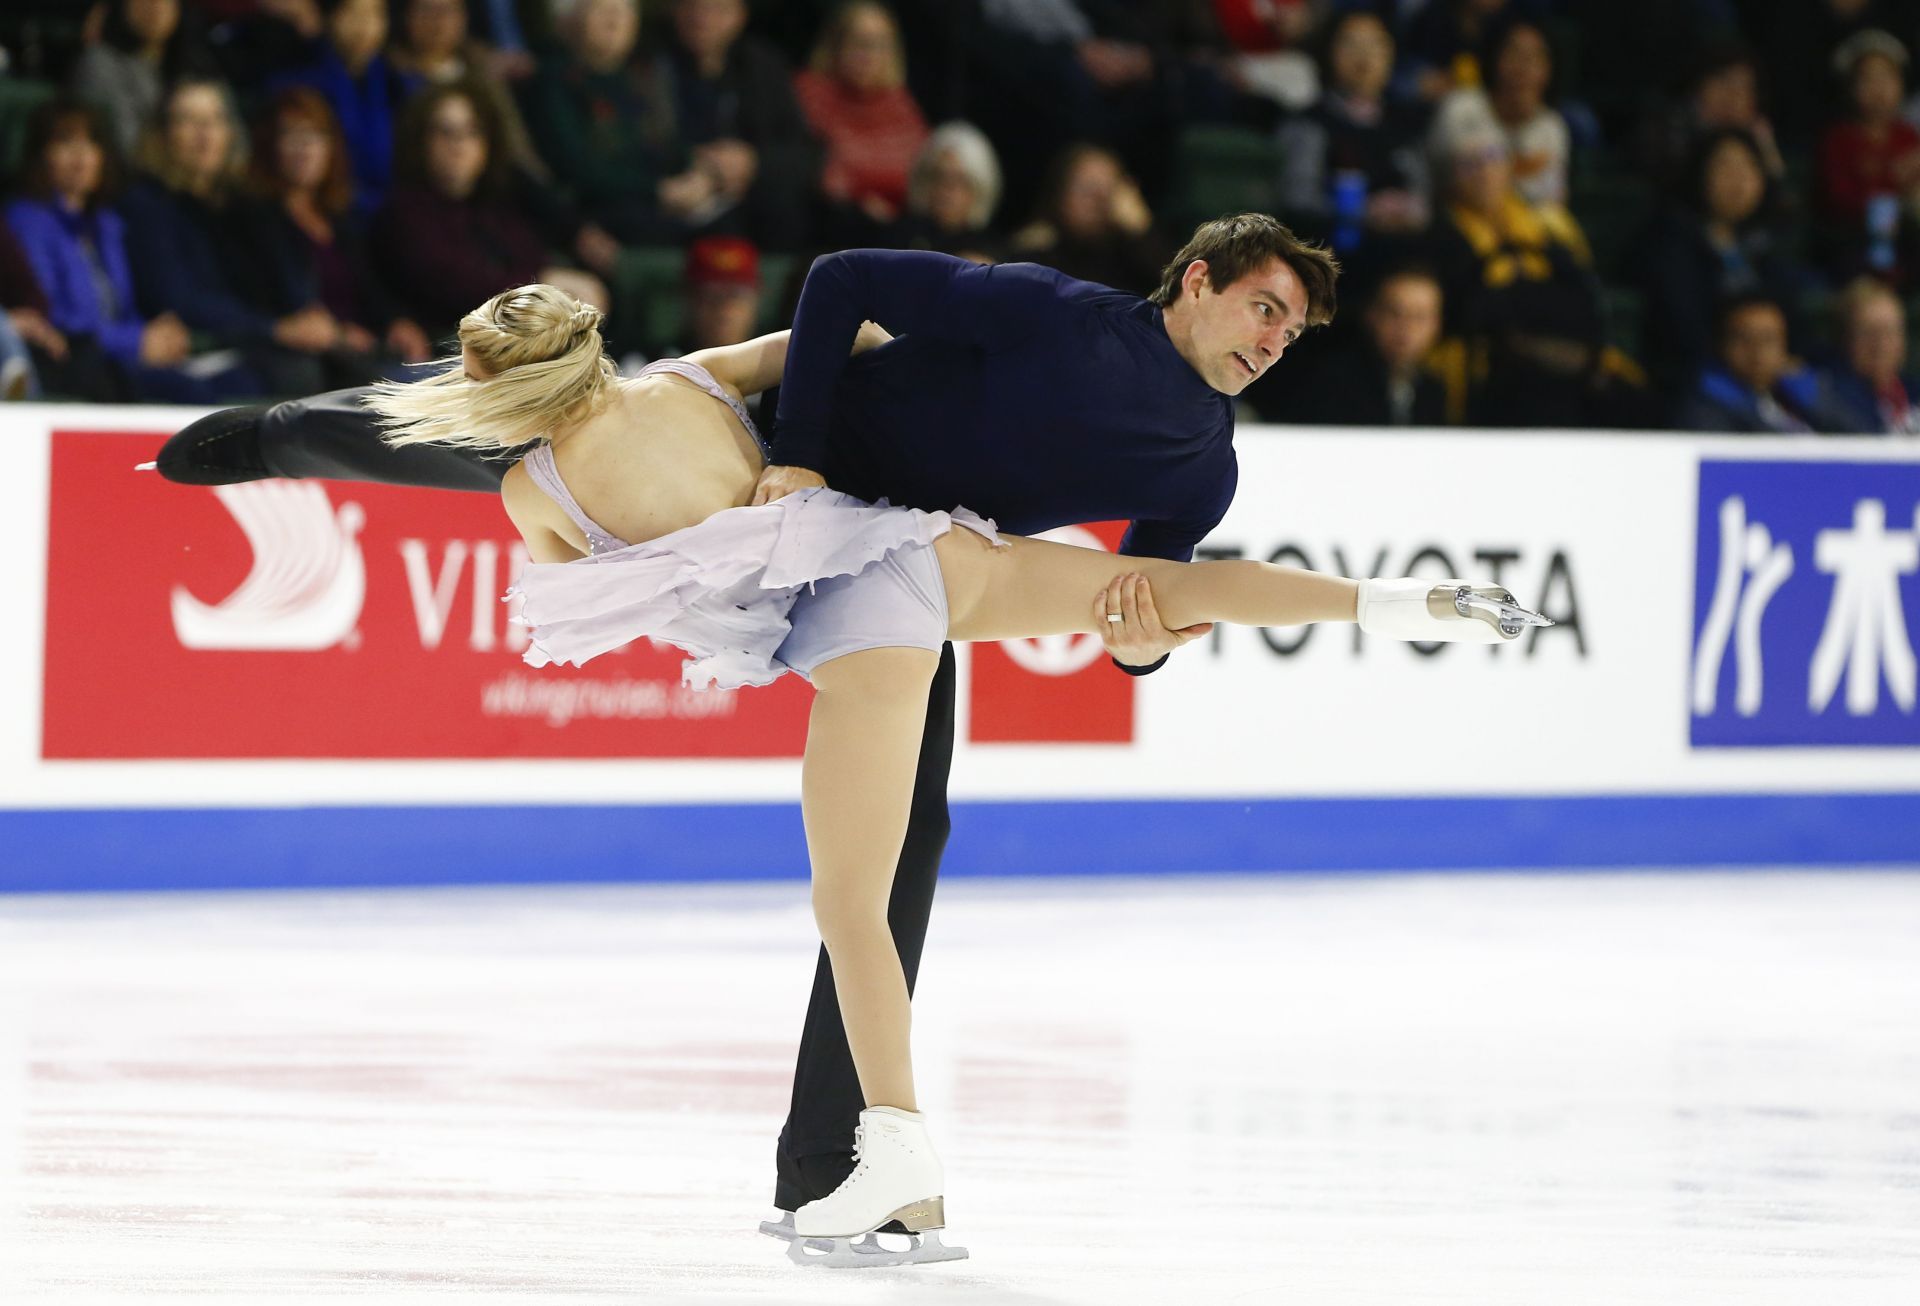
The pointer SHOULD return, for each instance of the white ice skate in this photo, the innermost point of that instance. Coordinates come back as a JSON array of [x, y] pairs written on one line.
[[1453, 611], [896, 1176]]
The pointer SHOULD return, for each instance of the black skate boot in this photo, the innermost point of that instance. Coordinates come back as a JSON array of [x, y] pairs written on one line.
[[221, 448]]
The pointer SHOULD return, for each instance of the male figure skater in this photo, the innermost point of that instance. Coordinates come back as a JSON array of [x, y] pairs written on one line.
[[1034, 399]]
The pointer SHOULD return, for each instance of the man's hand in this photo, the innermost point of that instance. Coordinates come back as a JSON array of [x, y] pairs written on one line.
[[1138, 639], [778, 482]]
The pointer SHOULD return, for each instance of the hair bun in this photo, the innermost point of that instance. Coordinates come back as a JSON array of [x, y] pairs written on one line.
[[583, 319]]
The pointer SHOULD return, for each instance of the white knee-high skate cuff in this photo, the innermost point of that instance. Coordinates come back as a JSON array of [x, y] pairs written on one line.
[[1407, 609]]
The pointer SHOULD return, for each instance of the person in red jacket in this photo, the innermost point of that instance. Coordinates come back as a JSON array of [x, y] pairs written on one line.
[[1875, 152], [855, 99]]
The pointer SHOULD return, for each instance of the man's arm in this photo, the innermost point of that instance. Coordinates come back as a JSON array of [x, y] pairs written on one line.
[[1140, 642], [909, 293]]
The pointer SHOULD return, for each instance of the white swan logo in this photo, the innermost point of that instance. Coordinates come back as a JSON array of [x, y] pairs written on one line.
[[1059, 655], [308, 580]]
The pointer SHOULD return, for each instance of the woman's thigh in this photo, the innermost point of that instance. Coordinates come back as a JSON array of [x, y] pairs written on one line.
[[1029, 588]]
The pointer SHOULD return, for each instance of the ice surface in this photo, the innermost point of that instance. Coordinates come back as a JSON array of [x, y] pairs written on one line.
[[1459, 1089]]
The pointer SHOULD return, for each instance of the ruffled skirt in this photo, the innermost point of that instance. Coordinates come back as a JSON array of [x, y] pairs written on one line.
[[720, 590]]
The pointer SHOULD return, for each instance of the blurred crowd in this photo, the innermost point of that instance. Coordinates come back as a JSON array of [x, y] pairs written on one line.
[[1690, 214]]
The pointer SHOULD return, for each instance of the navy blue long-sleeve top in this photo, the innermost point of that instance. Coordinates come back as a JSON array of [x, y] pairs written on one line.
[[1021, 393]]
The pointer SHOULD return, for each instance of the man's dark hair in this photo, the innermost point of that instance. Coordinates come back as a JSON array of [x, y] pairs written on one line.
[[1243, 243], [1411, 270], [1734, 305]]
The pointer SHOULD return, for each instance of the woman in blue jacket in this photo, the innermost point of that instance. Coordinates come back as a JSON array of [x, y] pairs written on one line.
[[76, 245]]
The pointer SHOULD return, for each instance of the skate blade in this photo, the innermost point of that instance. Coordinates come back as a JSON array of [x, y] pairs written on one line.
[[783, 1228], [1489, 603], [868, 1252]]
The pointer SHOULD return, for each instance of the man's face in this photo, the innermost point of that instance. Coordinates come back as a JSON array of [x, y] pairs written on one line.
[[1755, 348], [1405, 320], [1877, 339], [1241, 330], [709, 27]]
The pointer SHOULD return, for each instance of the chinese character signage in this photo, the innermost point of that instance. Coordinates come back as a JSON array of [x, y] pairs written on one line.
[[1806, 585]]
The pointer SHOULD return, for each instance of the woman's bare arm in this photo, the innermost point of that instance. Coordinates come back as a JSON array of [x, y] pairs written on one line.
[[749, 367], [756, 365]]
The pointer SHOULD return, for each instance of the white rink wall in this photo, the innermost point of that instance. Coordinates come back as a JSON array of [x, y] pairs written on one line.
[[324, 666]]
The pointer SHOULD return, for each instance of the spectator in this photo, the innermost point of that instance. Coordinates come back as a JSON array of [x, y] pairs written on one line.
[[1725, 93], [307, 245], [952, 192], [25, 324], [1756, 387], [1380, 376], [1870, 162], [1871, 381], [75, 244], [1720, 240], [1356, 170], [856, 101], [731, 99], [723, 292], [1094, 225], [1047, 73], [1443, 44], [450, 237], [182, 224], [365, 91], [143, 46], [512, 30], [609, 137], [257, 41], [1265, 41], [1801, 43], [1520, 291], [434, 45], [1520, 70]]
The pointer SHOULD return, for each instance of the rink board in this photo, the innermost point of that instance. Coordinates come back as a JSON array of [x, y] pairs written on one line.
[[316, 683]]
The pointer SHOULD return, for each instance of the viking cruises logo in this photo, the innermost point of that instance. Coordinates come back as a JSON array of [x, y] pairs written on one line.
[[308, 580], [1805, 576], [309, 620]]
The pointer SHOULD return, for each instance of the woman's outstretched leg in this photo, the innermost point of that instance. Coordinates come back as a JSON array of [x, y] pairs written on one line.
[[1034, 587], [863, 741]]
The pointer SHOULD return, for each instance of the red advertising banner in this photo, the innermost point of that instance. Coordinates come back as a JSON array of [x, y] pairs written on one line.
[[306, 619], [1061, 689]]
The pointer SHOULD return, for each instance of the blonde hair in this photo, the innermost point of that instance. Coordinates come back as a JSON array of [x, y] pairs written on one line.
[[546, 367], [1856, 295], [834, 34]]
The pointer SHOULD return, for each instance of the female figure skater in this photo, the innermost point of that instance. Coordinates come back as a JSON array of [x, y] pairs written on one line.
[[633, 500]]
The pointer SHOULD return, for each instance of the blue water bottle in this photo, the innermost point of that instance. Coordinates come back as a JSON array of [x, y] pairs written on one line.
[[1349, 208], [1883, 220]]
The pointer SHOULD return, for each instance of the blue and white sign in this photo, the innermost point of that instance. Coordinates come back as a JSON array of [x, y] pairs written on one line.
[[1805, 573]]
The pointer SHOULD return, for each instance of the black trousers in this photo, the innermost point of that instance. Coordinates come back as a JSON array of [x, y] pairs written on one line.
[[331, 437]]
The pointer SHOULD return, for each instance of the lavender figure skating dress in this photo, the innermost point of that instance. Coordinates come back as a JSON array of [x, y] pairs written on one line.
[[750, 593]]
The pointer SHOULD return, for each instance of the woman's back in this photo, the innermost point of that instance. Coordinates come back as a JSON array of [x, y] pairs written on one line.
[[662, 454]]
